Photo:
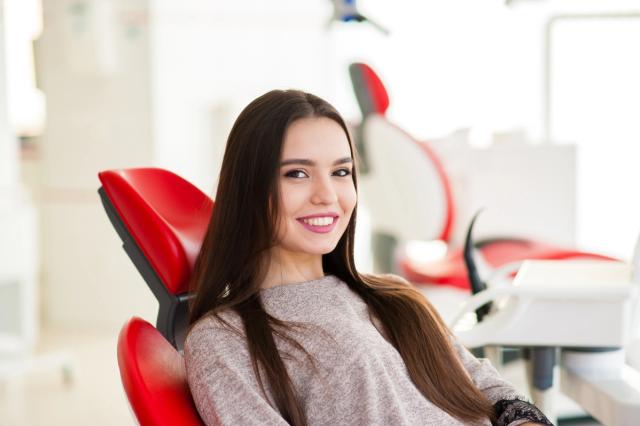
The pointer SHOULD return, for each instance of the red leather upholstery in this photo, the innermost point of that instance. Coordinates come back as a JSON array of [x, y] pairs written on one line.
[[153, 375], [170, 238], [375, 88]]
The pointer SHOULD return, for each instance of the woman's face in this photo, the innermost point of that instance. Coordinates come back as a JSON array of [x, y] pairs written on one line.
[[317, 194]]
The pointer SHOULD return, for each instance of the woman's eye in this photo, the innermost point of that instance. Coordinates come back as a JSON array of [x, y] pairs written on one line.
[[296, 174], [342, 172]]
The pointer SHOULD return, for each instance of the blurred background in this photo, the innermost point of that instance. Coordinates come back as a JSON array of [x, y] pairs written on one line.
[[89, 85]]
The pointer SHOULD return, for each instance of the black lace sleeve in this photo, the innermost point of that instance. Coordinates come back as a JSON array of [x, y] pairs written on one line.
[[510, 410]]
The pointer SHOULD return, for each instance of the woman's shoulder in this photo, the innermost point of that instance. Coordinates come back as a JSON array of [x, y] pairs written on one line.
[[213, 330]]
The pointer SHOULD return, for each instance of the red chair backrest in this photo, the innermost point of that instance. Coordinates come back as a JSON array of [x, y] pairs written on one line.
[[153, 376], [426, 189], [166, 216], [370, 92]]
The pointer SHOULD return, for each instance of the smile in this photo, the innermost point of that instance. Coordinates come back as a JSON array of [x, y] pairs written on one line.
[[320, 225]]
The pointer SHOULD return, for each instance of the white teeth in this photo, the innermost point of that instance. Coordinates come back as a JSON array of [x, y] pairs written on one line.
[[319, 221]]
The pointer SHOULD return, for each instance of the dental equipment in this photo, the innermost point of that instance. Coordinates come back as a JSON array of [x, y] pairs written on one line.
[[583, 308]]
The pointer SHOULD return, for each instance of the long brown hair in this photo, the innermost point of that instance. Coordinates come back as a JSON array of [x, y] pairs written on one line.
[[229, 270]]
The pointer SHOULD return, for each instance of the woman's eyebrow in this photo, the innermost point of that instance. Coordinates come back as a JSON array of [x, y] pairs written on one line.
[[307, 162]]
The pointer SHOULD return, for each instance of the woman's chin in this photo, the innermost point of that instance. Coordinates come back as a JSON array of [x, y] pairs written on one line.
[[321, 250]]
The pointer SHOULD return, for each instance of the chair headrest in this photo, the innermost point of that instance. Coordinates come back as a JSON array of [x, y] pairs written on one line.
[[165, 215], [154, 378], [370, 93], [425, 192]]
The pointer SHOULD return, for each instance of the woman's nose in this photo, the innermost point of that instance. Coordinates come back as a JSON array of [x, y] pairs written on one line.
[[324, 192]]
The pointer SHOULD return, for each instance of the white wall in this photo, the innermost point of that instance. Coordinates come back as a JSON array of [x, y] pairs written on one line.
[[596, 102], [210, 59], [8, 145], [460, 63], [93, 66], [18, 257]]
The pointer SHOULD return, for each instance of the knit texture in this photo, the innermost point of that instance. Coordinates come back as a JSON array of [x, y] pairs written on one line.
[[359, 378]]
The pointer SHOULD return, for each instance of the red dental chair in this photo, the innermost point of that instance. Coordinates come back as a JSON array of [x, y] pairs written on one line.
[[161, 219], [402, 211]]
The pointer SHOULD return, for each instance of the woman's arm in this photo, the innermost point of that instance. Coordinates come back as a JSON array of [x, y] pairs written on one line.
[[510, 406]]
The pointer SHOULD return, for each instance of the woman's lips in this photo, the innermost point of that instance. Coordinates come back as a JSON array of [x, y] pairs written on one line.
[[320, 229]]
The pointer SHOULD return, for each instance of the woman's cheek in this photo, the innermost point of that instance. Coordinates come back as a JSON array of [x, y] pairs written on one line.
[[351, 197]]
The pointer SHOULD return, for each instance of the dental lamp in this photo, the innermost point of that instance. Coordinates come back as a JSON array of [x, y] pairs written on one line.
[[347, 11]]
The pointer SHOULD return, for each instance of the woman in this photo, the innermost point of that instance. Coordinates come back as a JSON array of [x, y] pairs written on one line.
[[284, 330]]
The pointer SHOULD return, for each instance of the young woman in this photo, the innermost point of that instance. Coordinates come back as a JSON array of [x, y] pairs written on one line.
[[284, 329]]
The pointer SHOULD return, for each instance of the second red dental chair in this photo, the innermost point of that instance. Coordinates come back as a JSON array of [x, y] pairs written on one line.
[[409, 195]]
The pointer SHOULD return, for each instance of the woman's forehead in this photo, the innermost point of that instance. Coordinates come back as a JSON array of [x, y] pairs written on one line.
[[317, 137]]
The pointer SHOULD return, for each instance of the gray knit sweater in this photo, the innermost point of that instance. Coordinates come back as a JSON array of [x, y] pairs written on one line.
[[360, 379]]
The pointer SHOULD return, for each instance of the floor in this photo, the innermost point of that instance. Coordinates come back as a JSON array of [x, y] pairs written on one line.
[[87, 391]]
